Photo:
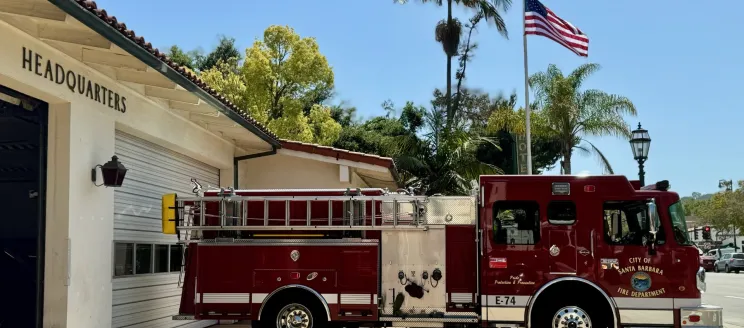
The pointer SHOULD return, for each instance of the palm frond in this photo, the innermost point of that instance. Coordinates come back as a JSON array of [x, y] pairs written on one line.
[[604, 163], [581, 73]]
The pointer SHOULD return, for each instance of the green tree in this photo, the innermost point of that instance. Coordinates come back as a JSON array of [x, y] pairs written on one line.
[[182, 58], [569, 114], [224, 51], [443, 161], [449, 31], [724, 210], [280, 84]]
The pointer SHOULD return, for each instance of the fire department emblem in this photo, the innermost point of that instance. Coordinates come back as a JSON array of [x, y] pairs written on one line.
[[640, 281], [294, 255]]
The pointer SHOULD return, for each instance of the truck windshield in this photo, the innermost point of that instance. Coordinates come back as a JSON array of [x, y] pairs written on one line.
[[679, 226]]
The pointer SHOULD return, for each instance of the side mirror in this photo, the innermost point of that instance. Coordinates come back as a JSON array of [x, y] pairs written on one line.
[[652, 223]]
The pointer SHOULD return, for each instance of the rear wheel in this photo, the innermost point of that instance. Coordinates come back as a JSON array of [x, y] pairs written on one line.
[[293, 311], [727, 269]]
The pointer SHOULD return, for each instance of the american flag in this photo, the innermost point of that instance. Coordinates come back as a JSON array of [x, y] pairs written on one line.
[[539, 20]]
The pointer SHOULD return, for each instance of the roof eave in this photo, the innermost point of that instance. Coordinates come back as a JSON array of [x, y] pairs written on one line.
[[96, 24]]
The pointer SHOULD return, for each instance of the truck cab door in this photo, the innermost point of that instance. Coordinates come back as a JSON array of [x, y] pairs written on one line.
[[631, 274]]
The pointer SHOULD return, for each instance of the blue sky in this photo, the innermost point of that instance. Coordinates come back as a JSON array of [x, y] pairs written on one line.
[[680, 64]]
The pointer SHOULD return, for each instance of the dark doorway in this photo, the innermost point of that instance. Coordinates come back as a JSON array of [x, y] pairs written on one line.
[[23, 140]]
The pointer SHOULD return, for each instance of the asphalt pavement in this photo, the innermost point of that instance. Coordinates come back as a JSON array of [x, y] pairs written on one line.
[[727, 290]]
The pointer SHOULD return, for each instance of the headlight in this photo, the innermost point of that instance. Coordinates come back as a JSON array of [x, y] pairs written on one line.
[[700, 277]]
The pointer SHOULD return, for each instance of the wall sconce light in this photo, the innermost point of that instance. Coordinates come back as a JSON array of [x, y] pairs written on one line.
[[113, 173]]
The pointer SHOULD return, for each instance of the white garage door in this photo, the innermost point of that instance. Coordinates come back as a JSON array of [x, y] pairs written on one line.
[[147, 263]]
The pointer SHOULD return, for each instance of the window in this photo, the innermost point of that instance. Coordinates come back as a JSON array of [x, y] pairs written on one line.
[[738, 256], [143, 258], [679, 224], [161, 258], [562, 212], [625, 223], [123, 259], [516, 222]]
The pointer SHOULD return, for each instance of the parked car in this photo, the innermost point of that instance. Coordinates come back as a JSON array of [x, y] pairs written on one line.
[[730, 262], [708, 262]]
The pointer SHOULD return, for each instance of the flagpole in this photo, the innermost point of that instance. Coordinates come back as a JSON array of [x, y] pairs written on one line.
[[527, 130]]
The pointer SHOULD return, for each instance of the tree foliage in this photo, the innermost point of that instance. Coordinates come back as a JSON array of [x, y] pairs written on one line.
[[196, 61], [282, 83], [565, 112], [723, 210]]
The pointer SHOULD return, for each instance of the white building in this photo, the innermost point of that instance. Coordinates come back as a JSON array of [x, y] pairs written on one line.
[[76, 88]]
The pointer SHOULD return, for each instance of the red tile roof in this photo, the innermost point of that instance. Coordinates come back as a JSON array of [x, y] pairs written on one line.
[[92, 7], [338, 153]]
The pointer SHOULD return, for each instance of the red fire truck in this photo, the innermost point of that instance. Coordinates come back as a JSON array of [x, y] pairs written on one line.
[[522, 251]]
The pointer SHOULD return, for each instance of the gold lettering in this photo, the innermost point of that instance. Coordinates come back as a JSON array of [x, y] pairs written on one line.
[[652, 293]]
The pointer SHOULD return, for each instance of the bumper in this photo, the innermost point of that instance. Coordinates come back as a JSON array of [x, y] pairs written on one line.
[[705, 316]]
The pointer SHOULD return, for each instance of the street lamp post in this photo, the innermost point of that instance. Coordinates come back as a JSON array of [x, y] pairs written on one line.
[[640, 142]]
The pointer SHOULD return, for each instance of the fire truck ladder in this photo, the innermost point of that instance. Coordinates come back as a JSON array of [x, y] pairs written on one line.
[[231, 213]]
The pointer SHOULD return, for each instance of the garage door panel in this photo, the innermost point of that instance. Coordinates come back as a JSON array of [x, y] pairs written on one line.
[[138, 235], [138, 224], [172, 167], [145, 281], [150, 300], [144, 316], [168, 323], [127, 310]]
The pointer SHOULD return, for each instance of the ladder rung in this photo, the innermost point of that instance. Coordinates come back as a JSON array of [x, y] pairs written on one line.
[[304, 228]]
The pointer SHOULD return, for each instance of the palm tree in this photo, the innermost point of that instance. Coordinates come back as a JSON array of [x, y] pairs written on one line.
[[569, 114], [449, 31], [443, 161]]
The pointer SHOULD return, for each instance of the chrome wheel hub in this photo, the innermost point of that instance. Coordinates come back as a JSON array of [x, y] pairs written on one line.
[[571, 317], [294, 316]]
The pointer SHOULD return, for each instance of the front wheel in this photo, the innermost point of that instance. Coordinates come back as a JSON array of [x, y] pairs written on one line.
[[571, 317], [576, 314], [727, 269]]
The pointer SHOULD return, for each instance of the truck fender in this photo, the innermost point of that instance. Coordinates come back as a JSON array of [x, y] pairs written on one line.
[[577, 279], [320, 298]]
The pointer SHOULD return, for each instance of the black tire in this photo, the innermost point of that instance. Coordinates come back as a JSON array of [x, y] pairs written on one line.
[[736, 271], [727, 269], [290, 307], [715, 268], [554, 312]]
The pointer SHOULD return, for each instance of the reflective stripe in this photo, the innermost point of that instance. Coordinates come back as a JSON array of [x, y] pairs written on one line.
[[330, 298], [226, 298], [655, 303], [647, 317], [258, 298]]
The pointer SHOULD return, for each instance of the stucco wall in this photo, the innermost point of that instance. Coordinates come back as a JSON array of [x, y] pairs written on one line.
[[81, 135], [283, 171]]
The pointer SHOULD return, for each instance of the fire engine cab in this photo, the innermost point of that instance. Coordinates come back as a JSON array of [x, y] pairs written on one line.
[[521, 251]]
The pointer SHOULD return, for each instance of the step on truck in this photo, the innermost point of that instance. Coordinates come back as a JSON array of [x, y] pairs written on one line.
[[521, 251]]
